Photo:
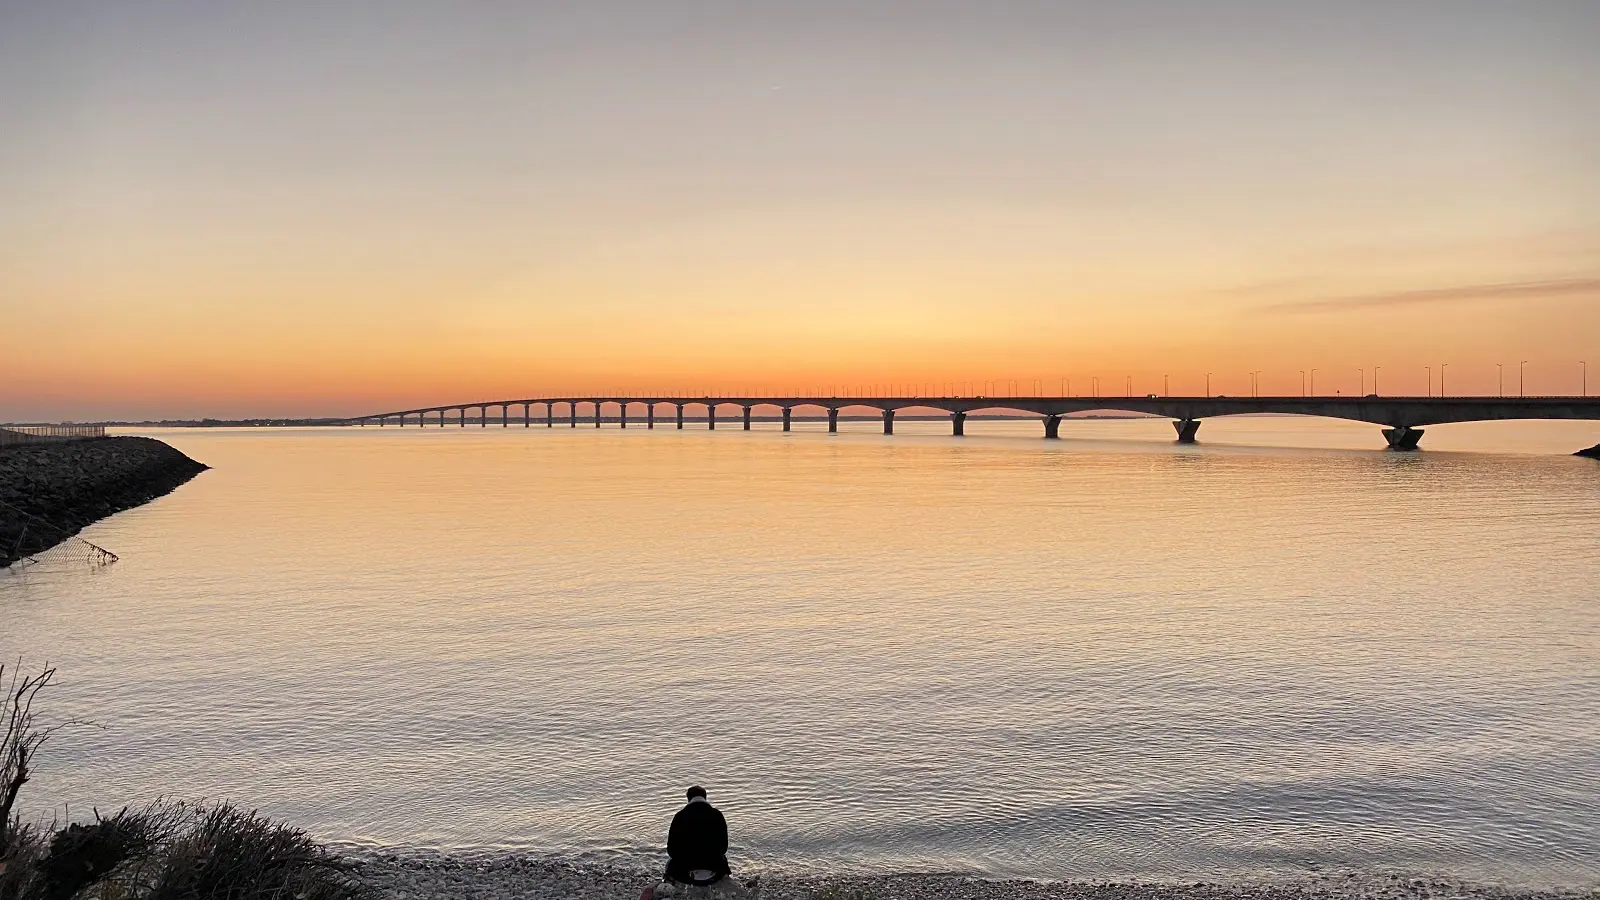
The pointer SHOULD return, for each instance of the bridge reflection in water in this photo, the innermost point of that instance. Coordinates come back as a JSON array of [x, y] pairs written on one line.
[[1403, 417]]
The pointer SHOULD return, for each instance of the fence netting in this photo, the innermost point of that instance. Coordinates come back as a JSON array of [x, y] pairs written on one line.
[[27, 540]]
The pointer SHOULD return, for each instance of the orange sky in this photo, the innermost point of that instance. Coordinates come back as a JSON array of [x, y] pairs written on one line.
[[295, 212]]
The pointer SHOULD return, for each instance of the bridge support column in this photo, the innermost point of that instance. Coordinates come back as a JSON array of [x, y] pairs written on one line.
[[1052, 427], [958, 424], [526, 421], [461, 417], [441, 418], [787, 416], [1403, 437], [597, 414], [833, 421], [650, 415], [549, 415], [483, 416], [1186, 429], [680, 415], [747, 418], [572, 412], [888, 421], [505, 415], [622, 414], [711, 417]]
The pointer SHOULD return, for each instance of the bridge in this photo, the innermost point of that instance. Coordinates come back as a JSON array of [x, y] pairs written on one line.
[[1403, 418]]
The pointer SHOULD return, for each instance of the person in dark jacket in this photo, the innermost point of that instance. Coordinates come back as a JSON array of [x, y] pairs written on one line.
[[697, 843]]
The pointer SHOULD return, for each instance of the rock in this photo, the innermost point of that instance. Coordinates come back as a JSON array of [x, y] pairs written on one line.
[[49, 492]]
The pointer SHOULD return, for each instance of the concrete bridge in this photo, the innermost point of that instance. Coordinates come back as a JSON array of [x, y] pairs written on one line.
[[1403, 417]]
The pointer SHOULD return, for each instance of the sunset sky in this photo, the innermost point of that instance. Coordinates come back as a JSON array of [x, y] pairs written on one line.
[[334, 208]]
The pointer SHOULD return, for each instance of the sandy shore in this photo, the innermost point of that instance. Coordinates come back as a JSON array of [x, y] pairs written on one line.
[[504, 878]]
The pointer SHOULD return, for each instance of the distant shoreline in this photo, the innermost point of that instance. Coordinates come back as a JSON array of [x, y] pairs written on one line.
[[494, 421], [50, 492]]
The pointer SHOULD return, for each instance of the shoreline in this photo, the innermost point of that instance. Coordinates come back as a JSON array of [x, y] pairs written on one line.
[[412, 876], [49, 492]]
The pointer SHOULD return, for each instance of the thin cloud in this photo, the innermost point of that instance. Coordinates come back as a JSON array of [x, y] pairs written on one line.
[[1510, 290]]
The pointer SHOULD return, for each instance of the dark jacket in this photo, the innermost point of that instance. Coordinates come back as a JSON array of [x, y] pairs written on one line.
[[698, 839]]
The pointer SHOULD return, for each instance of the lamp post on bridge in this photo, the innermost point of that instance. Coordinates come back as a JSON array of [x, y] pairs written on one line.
[[1375, 380], [1521, 390], [1429, 370], [1255, 383], [1313, 382], [1363, 374], [1500, 378], [1166, 385], [1585, 366], [1208, 384], [1441, 379]]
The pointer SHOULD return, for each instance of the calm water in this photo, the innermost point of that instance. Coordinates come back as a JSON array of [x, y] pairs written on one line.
[[1103, 657]]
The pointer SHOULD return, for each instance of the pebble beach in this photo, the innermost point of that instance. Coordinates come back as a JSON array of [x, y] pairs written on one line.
[[397, 877]]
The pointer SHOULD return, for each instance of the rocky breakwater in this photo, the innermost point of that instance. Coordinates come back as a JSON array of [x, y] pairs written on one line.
[[48, 492], [1592, 452]]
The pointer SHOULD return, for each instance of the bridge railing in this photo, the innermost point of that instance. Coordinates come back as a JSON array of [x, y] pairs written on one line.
[[11, 435]]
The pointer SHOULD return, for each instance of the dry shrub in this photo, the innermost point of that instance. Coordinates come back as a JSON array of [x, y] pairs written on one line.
[[239, 855]]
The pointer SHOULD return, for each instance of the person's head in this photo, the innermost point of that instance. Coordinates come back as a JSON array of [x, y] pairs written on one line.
[[696, 791]]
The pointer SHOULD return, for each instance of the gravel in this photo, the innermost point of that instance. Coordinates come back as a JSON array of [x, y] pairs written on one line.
[[530, 878]]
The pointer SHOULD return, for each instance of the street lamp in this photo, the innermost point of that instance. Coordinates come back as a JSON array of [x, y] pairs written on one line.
[[1313, 382], [1521, 392], [1585, 377], [1130, 385], [1255, 382], [1500, 377], [1208, 384], [1303, 383], [1375, 380], [1166, 385], [1441, 378], [1429, 370], [1363, 374]]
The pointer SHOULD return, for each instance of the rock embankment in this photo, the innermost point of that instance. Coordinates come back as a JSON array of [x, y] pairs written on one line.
[[1592, 452], [49, 492]]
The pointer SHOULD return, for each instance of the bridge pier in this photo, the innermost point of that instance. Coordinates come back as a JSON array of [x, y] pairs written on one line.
[[1052, 427], [572, 412], [483, 416], [958, 424], [711, 417], [833, 420], [888, 421], [747, 418], [622, 413], [1403, 437], [787, 413], [461, 417], [1186, 429], [680, 415], [597, 414], [650, 415], [526, 421], [549, 415]]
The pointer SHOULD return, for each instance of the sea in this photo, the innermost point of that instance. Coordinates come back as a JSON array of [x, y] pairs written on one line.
[[1281, 651]]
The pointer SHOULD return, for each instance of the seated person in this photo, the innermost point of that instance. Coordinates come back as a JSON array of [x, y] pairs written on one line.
[[697, 842]]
